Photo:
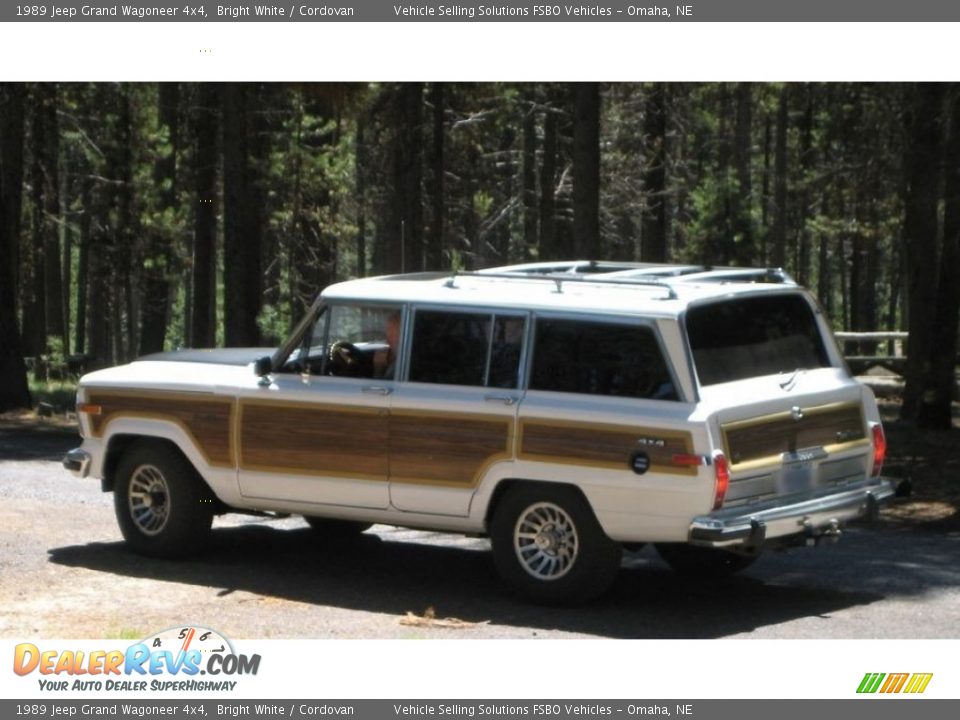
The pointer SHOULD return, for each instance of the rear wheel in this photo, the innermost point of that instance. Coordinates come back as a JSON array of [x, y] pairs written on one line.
[[549, 547], [163, 507], [701, 562]]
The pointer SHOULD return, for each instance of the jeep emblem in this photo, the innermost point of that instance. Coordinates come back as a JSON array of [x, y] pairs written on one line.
[[640, 462]]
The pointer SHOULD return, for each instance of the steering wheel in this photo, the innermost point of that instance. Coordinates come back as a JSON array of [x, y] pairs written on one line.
[[347, 360]]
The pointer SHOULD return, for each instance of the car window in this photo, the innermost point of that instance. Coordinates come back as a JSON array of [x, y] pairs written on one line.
[[754, 336], [505, 350], [462, 348], [598, 358], [361, 340]]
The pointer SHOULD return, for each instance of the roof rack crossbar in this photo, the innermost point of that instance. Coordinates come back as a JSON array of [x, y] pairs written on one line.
[[560, 278]]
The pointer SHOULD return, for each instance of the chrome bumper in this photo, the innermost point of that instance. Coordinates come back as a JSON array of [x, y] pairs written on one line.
[[77, 461], [814, 518]]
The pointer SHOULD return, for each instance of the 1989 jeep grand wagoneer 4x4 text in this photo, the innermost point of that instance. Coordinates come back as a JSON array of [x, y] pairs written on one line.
[[562, 409]]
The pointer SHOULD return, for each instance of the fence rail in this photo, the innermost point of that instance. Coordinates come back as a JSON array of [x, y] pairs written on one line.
[[852, 344]]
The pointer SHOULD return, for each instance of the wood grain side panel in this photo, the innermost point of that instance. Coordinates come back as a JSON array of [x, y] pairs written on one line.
[[603, 446], [206, 419], [314, 440], [445, 449], [774, 435]]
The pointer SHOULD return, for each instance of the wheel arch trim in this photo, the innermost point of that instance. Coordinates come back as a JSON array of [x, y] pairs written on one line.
[[124, 431]]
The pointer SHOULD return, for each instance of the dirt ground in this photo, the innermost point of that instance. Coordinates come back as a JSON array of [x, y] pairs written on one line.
[[927, 464]]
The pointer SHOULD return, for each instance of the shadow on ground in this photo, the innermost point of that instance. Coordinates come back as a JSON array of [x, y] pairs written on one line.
[[380, 575], [36, 442]]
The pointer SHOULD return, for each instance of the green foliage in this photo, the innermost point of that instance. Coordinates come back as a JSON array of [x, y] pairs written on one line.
[[273, 324], [61, 394], [326, 160]]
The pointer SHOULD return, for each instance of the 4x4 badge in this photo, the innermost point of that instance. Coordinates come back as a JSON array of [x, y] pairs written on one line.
[[651, 442]]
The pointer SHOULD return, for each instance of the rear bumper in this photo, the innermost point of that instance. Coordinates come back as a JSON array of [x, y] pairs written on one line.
[[813, 518]]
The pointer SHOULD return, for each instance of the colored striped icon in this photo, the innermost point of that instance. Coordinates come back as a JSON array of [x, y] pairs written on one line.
[[894, 682]]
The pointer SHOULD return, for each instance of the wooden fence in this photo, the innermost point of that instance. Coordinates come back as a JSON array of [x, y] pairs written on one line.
[[865, 350]]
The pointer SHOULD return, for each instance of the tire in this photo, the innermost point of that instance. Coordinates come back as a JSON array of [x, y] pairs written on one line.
[[549, 547], [163, 506], [702, 562], [336, 530]]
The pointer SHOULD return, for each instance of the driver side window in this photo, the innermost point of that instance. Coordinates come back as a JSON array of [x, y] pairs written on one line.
[[362, 341]]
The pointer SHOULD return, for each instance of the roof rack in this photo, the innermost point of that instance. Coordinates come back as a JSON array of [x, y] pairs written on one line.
[[707, 273], [579, 267], [611, 271], [559, 278]]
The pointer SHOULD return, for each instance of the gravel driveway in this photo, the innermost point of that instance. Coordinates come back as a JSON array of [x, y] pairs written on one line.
[[64, 572]]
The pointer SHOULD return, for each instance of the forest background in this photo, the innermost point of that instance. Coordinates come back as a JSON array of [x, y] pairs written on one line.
[[137, 217]]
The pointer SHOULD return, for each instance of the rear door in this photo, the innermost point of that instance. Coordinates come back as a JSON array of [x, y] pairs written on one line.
[[603, 412], [455, 415]]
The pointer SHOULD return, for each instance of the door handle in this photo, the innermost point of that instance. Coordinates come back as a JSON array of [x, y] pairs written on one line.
[[377, 390], [505, 399]]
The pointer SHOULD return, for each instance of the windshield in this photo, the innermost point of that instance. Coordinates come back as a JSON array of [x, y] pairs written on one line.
[[753, 336]]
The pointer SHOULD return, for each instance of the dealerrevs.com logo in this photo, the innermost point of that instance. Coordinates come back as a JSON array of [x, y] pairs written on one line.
[[173, 659], [888, 683]]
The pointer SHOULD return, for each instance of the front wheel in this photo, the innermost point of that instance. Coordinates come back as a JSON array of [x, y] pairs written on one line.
[[162, 505], [703, 562], [549, 547]]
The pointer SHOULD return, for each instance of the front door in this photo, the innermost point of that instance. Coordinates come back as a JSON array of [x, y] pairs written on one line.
[[318, 432]]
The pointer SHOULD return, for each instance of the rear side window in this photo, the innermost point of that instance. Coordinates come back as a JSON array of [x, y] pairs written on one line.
[[595, 358], [754, 336], [454, 348]]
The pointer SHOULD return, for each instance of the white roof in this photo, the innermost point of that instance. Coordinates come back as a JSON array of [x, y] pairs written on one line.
[[597, 292]]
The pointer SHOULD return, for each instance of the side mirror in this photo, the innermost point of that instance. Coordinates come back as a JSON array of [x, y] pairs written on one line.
[[263, 366]]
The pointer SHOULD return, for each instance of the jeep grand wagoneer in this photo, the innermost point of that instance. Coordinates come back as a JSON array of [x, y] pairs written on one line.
[[563, 409]]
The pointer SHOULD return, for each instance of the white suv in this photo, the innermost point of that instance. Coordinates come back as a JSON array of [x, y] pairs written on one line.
[[563, 409]]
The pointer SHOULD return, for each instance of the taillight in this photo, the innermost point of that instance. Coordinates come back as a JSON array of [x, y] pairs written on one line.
[[722, 473], [879, 448]]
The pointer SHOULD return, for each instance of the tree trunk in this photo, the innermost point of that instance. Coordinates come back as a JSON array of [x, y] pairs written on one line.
[[805, 199], [83, 268], [654, 230], [548, 180], [824, 285], [935, 410], [405, 230], [35, 315], [100, 297], [499, 227], [765, 192], [204, 304], [127, 235], [529, 176], [858, 286], [155, 305], [14, 392], [744, 251], [920, 229], [11, 184], [434, 254], [47, 148], [779, 235], [242, 213], [360, 174], [586, 170]]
